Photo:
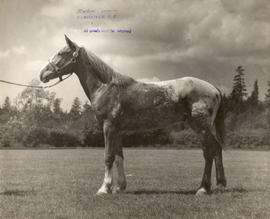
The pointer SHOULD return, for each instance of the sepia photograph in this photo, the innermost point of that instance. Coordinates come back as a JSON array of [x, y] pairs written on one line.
[[134, 109]]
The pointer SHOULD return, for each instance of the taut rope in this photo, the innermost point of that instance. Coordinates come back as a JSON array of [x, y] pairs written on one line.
[[33, 86]]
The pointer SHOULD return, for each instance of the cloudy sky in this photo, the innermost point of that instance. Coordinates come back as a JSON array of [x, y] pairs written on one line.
[[207, 39]]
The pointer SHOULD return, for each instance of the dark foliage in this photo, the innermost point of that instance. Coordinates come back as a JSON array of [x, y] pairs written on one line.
[[92, 138], [61, 138], [147, 137]]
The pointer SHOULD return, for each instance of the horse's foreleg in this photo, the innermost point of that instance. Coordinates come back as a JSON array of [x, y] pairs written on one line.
[[109, 156], [119, 163]]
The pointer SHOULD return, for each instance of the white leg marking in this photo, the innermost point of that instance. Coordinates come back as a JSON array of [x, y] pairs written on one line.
[[201, 191], [107, 183]]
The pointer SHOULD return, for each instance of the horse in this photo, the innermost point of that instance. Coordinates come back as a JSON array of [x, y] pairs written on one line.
[[122, 103]]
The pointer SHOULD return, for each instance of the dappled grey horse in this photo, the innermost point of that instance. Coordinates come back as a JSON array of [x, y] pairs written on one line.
[[122, 103]]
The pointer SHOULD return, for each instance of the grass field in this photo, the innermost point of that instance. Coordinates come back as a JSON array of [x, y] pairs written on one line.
[[161, 184]]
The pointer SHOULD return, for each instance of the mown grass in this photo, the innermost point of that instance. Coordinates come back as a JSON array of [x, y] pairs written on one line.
[[161, 184]]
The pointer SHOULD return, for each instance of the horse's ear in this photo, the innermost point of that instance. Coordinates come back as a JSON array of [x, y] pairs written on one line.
[[70, 44]]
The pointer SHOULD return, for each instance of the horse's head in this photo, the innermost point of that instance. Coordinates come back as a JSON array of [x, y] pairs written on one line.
[[64, 62]]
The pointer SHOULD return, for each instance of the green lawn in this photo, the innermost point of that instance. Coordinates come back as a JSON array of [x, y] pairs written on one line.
[[161, 184]]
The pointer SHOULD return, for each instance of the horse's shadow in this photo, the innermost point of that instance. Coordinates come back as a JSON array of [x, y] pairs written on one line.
[[161, 192], [185, 192], [17, 192]]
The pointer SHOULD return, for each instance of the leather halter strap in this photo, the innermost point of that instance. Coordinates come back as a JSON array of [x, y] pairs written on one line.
[[58, 70]]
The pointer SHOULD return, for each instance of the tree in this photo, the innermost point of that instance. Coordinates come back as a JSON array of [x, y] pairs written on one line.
[[267, 95], [236, 100], [267, 103], [35, 105], [253, 100], [57, 113], [239, 91], [87, 108], [75, 110], [7, 111], [57, 106], [31, 97], [7, 105]]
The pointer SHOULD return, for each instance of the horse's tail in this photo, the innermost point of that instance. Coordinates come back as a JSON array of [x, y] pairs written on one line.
[[220, 122]]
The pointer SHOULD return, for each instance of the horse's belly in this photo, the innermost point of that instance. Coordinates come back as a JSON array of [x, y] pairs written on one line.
[[150, 106], [149, 118]]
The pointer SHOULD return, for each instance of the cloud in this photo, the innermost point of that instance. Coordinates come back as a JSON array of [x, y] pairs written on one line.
[[252, 10], [4, 54], [172, 31], [17, 50], [20, 50], [34, 66], [57, 12]]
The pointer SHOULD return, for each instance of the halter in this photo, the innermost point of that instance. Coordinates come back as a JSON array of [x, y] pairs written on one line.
[[67, 64]]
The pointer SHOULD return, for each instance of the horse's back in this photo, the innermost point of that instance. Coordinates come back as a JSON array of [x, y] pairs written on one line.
[[190, 87]]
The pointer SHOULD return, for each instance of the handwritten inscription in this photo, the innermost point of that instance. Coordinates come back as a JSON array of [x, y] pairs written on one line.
[[97, 30], [87, 11], [97, 19], [96, 14]]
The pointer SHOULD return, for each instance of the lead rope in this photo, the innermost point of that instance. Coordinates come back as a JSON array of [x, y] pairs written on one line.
[[37, 87]]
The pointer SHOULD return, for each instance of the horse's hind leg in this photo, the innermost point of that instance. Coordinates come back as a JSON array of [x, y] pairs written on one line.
[[211, 150], [201, 123], [220, 135], [220, 175]]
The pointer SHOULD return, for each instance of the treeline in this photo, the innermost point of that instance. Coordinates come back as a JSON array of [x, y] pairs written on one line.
[[35, 118]]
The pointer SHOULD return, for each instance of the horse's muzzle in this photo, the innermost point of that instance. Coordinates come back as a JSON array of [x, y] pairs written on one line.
[[46, 75]]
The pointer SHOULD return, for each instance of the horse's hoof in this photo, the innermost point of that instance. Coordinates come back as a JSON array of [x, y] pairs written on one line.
[[103, 191], [221, 188], [201, 192], [100, 193], [118, 189]]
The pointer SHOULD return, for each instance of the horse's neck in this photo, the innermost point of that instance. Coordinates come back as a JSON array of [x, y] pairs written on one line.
[[90, 85], [93, 74], [89, 81]]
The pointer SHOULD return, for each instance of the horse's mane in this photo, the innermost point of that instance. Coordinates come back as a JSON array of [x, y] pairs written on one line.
[[105, 73]]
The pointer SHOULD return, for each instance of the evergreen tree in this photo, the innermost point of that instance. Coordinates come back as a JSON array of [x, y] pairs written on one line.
[[57, 106], [75, 110], [58, 113], [239, 91], [87, 108], [267, 95], [7, 111], [253, 100], [7, 105], [267, 103]]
